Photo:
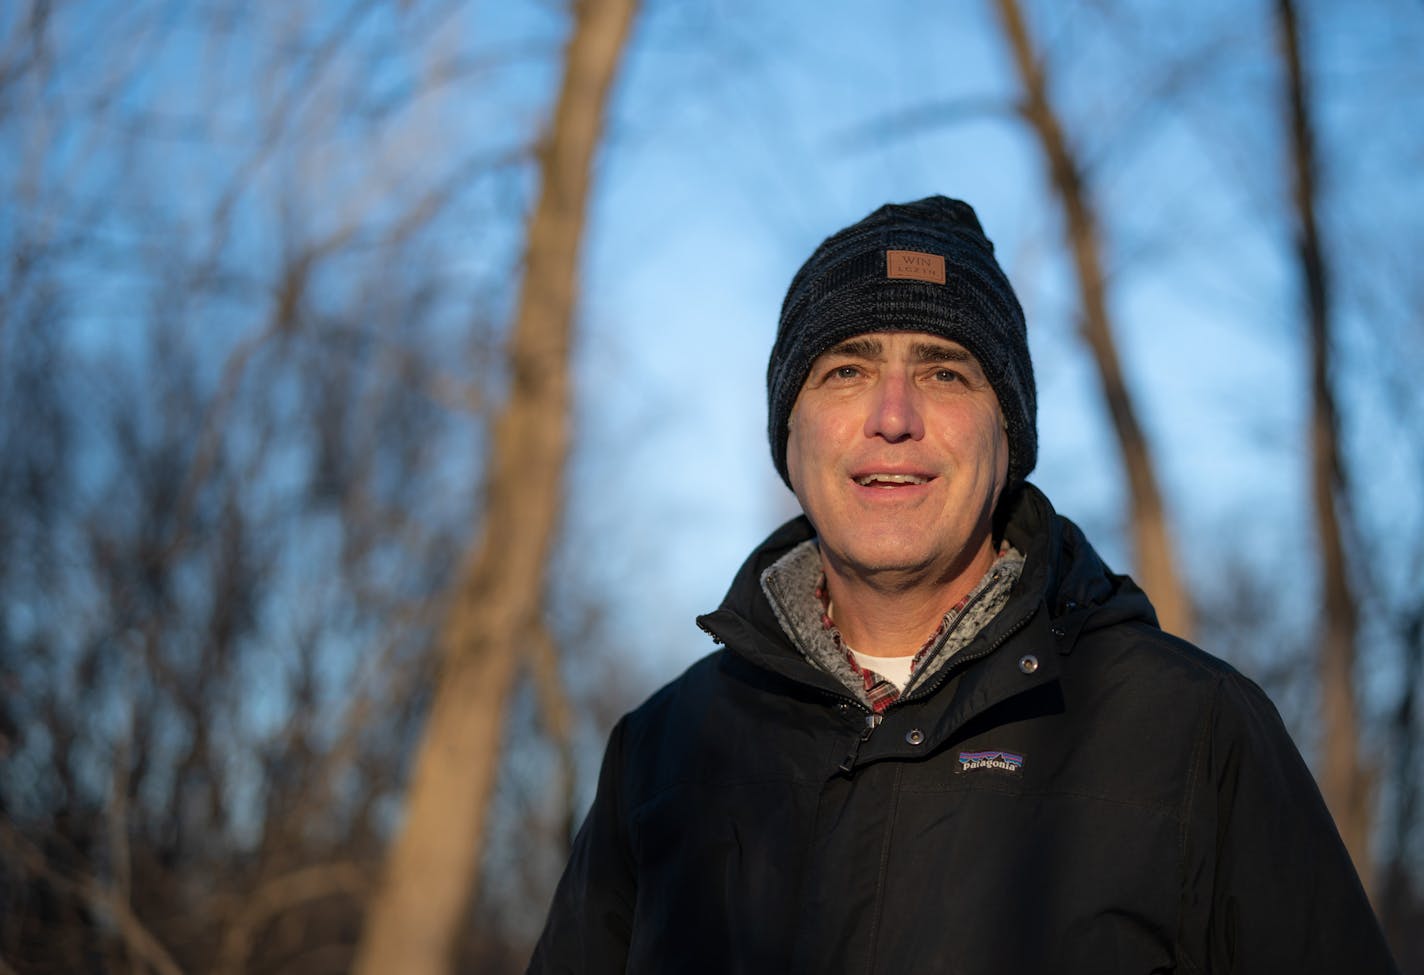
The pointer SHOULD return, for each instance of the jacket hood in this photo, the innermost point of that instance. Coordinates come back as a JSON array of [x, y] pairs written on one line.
[[1063, 577], [1065, 571]]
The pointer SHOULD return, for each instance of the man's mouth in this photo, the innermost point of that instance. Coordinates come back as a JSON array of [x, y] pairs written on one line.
[[890, 480]]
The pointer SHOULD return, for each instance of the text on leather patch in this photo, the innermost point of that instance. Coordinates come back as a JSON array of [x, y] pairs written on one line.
[[915, 265]]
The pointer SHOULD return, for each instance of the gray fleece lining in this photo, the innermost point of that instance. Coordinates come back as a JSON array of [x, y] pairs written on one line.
[[790, 587]]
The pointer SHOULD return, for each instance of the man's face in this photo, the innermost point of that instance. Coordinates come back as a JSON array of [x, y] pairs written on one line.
[[897, 452]]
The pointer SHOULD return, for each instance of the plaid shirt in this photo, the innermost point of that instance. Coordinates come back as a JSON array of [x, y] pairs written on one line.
[[881, 692]]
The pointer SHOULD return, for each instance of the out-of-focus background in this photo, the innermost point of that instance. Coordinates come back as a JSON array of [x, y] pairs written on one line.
[[381, 397]]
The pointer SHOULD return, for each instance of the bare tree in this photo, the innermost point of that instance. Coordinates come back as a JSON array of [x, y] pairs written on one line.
[[1344, 779], [497, 606], [1152, 542], [229, 417]]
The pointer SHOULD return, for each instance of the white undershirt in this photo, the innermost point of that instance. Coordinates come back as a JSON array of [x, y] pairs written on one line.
[[894, 669]]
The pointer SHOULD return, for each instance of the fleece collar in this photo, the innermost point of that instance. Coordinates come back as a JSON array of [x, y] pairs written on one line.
[[790, 585]]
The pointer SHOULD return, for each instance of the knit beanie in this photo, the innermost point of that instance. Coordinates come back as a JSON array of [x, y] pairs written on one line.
[[908, 267]]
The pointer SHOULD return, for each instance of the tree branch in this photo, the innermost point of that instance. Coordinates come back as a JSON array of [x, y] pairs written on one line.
[[99, 898]]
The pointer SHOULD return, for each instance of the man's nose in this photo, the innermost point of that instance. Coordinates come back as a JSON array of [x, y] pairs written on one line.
[[895, 411]]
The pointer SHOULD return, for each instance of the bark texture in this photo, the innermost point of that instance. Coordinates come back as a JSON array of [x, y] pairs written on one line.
[[1152, 542], [1343, 780], [495, 609]]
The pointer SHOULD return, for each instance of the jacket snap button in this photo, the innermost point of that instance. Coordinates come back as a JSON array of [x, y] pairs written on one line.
[[915, 736], [1028, 663]]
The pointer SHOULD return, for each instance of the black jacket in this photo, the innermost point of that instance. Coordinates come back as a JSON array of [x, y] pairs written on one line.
[[1076, 792]]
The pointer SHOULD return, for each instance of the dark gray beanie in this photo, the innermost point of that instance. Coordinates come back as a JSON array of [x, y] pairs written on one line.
[[908, 267]]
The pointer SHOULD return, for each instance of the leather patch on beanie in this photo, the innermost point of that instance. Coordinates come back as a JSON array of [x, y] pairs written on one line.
[[914, 265]]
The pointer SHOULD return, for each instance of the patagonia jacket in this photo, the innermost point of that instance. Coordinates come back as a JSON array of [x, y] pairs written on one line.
[[1075, 791]]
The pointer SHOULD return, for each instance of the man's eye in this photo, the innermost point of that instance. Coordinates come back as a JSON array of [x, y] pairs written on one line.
[[948, 376], [845, 372]]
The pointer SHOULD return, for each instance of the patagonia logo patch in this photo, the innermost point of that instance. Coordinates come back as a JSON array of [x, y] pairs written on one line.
[[1004, 761], [915, 265]]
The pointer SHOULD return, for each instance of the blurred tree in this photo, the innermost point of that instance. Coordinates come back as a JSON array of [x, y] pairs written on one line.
[[497, 608], [244, 354], [1401, 900], [1156, 560], [1346, 778]]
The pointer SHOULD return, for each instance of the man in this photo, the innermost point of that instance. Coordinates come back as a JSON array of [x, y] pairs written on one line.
[[941, 735]]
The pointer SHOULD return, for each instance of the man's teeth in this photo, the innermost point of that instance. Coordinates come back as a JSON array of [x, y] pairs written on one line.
[[869, 479]]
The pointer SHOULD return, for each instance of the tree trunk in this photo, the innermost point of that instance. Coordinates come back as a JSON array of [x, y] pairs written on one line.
[[1344, 782], [432, 868], [1397, 900], [1152, 543]]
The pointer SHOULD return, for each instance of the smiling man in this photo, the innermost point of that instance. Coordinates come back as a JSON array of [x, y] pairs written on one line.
[[941, 735], [897, 451]]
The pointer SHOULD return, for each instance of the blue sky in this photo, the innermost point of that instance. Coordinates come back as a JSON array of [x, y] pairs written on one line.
[[739, 141]]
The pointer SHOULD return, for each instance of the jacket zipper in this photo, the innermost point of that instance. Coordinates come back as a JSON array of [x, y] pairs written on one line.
[[873, 718], [872, 721], [950, 632]]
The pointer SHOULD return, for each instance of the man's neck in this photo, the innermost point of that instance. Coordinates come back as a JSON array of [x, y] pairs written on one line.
[[892, 618]]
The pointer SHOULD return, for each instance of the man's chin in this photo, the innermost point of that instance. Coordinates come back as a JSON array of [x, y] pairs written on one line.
[[893, 563], [884, 564]]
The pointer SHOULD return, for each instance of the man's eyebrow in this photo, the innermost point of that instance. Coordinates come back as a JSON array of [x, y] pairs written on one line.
[[860, 347], [934, 352]]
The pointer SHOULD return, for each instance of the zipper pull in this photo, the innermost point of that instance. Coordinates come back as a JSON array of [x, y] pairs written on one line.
[[872, 721]]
